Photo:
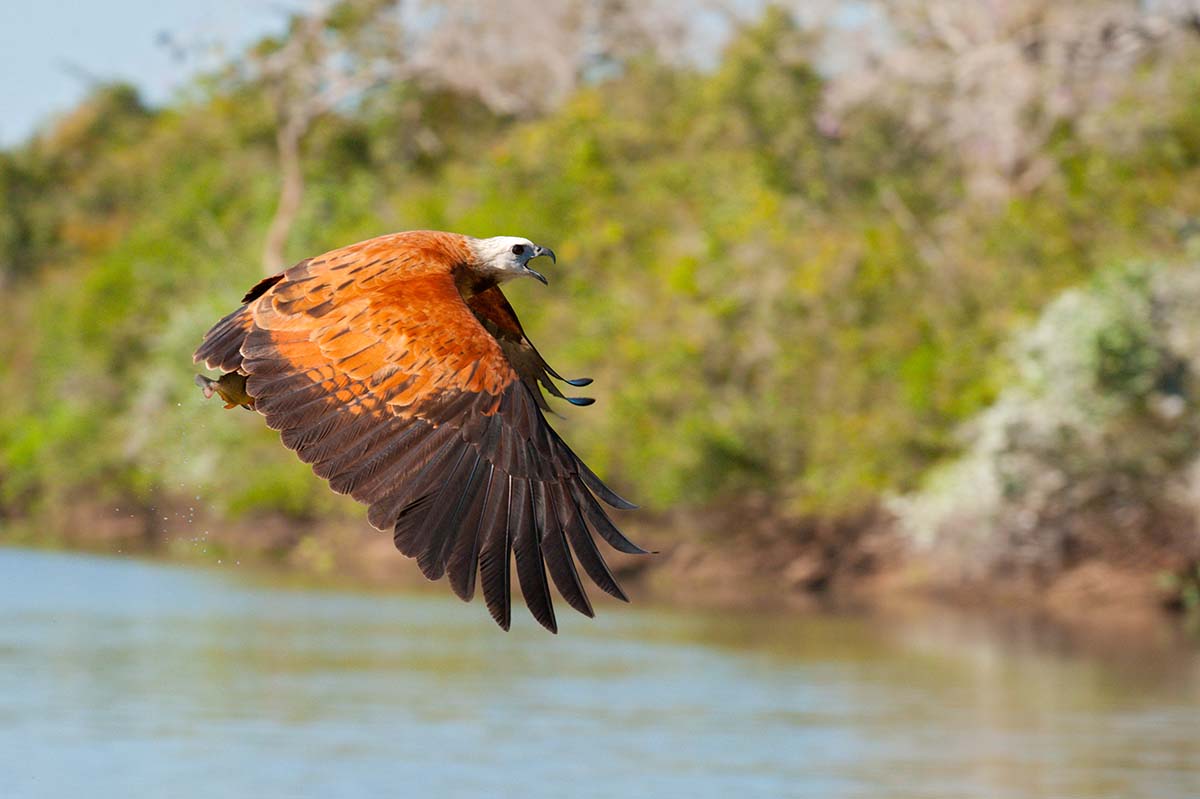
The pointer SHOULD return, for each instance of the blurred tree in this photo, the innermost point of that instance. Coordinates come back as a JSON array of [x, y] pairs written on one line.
[[532, 54], [515, 57], [1093, 446], [995, 80], [326, 59], [35, 227]]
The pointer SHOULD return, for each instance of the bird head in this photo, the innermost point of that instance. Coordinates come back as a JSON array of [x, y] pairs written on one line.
[[506, 257]]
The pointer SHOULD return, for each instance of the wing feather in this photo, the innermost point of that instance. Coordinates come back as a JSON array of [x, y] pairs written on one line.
[[557, 554], [583, 544], [462, 562], [495, 556], [526, 543], [221, 348]]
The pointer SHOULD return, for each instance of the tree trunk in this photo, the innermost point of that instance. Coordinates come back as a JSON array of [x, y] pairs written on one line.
[[291, 192]]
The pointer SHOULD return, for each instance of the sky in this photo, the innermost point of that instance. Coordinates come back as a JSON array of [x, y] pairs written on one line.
[[51, 51]]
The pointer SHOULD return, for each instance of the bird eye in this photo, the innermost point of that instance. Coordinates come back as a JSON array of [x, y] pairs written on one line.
[[518, 249]]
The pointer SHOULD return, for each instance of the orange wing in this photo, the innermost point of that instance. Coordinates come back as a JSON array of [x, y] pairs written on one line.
[[378, 373]]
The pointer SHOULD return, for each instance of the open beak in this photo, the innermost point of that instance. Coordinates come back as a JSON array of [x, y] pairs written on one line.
[[541, 251]]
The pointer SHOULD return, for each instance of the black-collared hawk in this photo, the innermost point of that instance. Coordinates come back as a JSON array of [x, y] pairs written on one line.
[[398, 369]]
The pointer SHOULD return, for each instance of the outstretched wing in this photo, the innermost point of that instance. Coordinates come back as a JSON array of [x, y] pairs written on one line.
[[396, 393]]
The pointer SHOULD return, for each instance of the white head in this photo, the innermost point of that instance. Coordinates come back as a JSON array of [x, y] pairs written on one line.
[[506, 257]]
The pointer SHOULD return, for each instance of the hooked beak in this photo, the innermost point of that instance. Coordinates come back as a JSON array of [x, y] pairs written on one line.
[[541, 251]]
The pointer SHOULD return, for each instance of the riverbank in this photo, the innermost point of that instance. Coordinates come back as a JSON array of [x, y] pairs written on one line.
[[744, 558]]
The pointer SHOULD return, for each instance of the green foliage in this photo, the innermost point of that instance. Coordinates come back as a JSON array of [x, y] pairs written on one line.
[[1182, 589], [1091, 445], [768, 305]]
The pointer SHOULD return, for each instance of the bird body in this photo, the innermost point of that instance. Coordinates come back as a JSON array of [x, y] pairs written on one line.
[[398, 369]]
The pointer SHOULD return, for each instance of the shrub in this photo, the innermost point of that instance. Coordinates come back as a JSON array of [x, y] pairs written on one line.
[[1091, 449]]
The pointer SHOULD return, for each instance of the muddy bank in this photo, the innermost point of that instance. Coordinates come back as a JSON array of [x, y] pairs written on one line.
[[740, 558]]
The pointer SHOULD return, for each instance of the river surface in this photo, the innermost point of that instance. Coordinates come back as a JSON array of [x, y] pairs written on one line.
[[126, 678]]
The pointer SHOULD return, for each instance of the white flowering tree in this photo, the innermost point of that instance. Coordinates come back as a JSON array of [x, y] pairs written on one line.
[[993, 80], [1094, 444]]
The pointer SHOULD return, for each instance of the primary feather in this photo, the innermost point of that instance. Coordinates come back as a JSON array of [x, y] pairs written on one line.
[[398, 369]]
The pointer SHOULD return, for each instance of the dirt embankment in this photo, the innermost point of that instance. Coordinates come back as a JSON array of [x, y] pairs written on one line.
[[721, 558]]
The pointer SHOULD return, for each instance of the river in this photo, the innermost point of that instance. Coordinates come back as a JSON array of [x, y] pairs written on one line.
[[121, 677]]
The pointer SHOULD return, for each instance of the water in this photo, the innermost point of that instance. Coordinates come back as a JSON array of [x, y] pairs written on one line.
[[123, 678]]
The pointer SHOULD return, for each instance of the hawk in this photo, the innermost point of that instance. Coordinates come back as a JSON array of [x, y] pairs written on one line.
[[399, 371]]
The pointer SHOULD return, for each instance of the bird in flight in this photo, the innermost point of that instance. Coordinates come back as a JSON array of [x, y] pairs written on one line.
[[398, 369]]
